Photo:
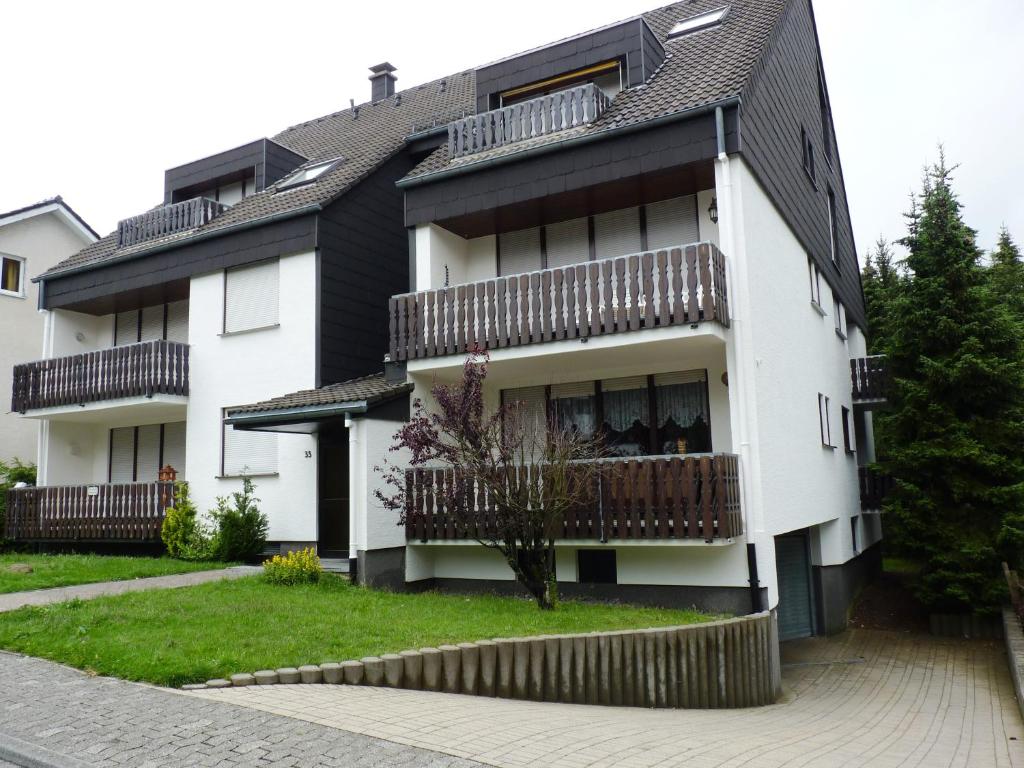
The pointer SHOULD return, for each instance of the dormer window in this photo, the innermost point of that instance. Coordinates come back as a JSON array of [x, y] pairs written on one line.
[[308, 174], [606, 76], [698, 22]]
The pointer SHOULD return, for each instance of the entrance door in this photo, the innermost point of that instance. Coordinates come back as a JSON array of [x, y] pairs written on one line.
[[332, 512], [793, 567]]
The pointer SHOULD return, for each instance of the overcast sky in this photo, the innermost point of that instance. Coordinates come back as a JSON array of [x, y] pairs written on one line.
[[100, 98]]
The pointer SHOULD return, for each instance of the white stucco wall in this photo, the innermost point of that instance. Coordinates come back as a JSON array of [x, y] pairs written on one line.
[[236, 369], [373, 525]]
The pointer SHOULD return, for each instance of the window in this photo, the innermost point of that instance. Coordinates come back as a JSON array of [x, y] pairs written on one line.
[[808, 153], [12, 274], [567, 242], [248, 453], [158, 321], [251, 297], [815, 277], [672, 222], [617, 233], [596, 566], [826, 133], [698, 22], [848, 431], [308, 174], [664, 414], [839, 314], [853, 533], [606, 76], [520, 252], [832, 238], [138, 453], [823, 419]]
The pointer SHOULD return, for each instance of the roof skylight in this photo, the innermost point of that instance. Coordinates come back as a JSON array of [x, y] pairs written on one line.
[[308, 173], [700, 21]]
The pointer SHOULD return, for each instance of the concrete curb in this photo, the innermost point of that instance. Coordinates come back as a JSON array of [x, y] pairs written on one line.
[[1014, 635], [28, 755], [716, 665]]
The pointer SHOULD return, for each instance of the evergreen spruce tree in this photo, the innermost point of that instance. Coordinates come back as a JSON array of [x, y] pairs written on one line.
[[1006, 274], [882, 283], [952, 438]]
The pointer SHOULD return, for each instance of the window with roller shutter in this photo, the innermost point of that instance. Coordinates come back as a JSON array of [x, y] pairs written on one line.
[[122, 455], [126, 328], [177, 321], [138, 453], [519, 251], [174, 447], [158, 321], [672, 222], [617, 233], [248, 453], [567, 242], [251, 297]]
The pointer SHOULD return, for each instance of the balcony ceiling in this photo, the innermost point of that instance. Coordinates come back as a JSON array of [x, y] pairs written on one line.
[[124, 412]]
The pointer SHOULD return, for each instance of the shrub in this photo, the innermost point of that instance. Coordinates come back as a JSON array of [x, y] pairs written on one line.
[[10, 475], [300, 566], [241, 527], [184, 535]]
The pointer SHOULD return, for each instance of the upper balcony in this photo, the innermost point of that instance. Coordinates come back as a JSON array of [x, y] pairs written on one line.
[[134, 374], [679, 286], [870, 380], [167, 220], [551, 113]]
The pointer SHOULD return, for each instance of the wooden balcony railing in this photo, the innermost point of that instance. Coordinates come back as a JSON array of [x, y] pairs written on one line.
[[873, 488], [167, 220], [658, 498], [870, 378], [135, 370], [554, 112], [104, 512], [675, 286]]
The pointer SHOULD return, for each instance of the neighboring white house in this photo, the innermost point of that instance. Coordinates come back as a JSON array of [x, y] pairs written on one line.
[[32, 240]]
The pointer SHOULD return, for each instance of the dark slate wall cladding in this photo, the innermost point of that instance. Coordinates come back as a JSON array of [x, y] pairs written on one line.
[[364, 260], [631, 40], [261, 154], [230, 250], [616, 157], [782, 100], [278, 162]]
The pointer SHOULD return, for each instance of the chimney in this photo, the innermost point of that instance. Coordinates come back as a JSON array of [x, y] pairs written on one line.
[[382, 82]]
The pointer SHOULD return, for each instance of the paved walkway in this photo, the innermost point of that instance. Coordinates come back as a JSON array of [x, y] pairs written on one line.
[[14, 600], [58, 717], [865, 698]]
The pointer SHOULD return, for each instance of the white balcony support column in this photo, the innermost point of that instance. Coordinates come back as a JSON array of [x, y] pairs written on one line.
[[356, 482]]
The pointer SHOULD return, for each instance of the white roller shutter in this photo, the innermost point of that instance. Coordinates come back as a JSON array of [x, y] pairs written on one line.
[[679, 377], [122, 455], [251, 296], [624, 384], [617, 233], [174, 447], [567, 243], [152, 323], [532, 409], [126, 328], [672, 222], [519, 251], [575, 389], [177, 321], [147, 456], [250, 453]]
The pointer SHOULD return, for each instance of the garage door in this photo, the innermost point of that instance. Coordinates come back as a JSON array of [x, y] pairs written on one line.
[[794, 572]]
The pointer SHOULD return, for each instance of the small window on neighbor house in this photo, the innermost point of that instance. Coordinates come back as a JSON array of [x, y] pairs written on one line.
[[848, 432], [853, 533], [826, 133], [248, 453], [815, 277], [308, 174], [839, 315], [596, 566], [808, 153], [832, 232], [251, 296], [823, 418], [12, 273], [700, 21]]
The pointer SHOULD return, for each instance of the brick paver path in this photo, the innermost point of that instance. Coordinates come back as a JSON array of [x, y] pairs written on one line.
[[865, 698], [103, 722], [14, 600]]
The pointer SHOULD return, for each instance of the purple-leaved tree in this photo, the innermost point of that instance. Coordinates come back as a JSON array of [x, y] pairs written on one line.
[[528, 470]]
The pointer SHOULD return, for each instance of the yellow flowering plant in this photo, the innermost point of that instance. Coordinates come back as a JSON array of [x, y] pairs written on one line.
[[300, 566]]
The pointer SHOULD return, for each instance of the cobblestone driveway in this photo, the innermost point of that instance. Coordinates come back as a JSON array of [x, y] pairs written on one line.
[[866, 698]]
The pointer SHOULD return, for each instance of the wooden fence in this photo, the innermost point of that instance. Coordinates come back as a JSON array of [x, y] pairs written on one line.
[[95, 513], [544, 115], [135, 370], [869, 377], [665, 497], [676, 286], [167, 220]]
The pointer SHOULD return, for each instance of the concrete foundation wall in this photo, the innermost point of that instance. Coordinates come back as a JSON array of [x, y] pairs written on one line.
[[837, 586]]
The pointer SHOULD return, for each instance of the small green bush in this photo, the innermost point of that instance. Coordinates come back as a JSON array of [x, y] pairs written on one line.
[[183, 533], [300, 566], [241, 529], [11, 474]]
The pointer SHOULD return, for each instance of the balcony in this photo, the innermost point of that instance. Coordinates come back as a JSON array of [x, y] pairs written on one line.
[[126, 512], [659, 499], [674, 287], [874, 486], [870, 379], [135, 370], [545, 115], [167, 220]]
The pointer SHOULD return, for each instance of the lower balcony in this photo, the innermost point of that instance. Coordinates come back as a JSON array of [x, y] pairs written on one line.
[[657, 499], [874, 486], [102, 513], [154, 371]]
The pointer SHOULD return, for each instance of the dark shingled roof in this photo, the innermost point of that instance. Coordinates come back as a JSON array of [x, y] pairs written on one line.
[[373, 390], [701, 68], [58, 200]]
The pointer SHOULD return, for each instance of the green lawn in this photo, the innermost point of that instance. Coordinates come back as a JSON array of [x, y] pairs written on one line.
[[192, 634], [65, 570]]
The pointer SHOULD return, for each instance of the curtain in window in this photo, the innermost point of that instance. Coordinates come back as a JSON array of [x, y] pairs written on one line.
[[627, 421], [683, 413], [574, 407]]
